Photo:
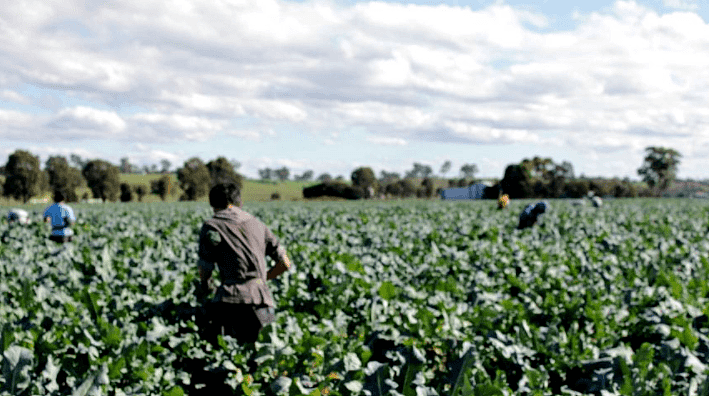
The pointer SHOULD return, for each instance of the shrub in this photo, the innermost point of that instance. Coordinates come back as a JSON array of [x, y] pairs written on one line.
[[333, 189]]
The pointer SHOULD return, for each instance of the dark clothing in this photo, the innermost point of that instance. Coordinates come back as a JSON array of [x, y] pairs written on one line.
[[243, 321], [240, 251], [530, 214], [238, 243], [61, 238]]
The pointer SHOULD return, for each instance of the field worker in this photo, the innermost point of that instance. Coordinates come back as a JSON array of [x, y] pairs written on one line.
[[61, 217], [238, 243], [503, 201], [596, 201], [531, 214], [18, 216]]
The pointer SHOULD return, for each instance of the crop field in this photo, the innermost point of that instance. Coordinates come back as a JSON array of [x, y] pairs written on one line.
[[385, 298]]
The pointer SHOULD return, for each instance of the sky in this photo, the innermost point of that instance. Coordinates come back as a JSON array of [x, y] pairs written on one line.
[[331, 85]]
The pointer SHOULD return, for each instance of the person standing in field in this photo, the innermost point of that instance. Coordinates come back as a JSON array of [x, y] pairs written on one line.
[[61, 217], [530, 214], [238, 243]]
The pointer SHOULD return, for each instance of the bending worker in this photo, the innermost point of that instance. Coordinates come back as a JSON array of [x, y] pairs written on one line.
[[18, 216], [530, 214], [238, 243]]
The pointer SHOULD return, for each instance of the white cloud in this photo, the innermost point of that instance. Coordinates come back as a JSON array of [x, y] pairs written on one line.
[[95, 122], [247, 134], [167, 126], [276, 110], [9, 118], [482, 134], [250, 166], [188, 71], [386, 141], [148, 156], [13, 97]]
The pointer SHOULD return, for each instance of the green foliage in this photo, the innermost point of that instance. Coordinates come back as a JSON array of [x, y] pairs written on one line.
[[364, 178], [517, 182], [102, 178], [221, 170], [140, 190], [162, 187], [64, 177], [468, 171], [194, 179], [412, 298], [126, 192], [23, 177], [659, 167]]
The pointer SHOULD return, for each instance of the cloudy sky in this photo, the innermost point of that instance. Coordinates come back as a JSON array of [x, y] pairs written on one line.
[[330, 85]]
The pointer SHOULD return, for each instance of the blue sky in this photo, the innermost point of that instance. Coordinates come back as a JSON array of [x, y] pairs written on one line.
[[332, 85]]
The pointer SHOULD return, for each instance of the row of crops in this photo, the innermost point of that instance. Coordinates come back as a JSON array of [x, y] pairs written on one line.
[[409, 298]]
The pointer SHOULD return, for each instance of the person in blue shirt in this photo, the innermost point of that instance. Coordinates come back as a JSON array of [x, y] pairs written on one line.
[[531, 214], [61, 217]]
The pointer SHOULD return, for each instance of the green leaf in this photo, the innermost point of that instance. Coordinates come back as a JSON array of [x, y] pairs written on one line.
[[388, 291], [174, 391], [488, 390]]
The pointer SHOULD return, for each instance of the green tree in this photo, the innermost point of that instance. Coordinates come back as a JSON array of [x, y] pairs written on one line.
[[194, 179], [165, 166], [539, 167], [222, 170], [517, 182], [140, 191], [126, 192], [162, 187], [64, 177], [306, 176], [364, 178], [77, 161], [468, 171], [265, 173], [388, 177], [24, 178], [659, 167], [446, 167], [419, 170], [282, 173], [324, 177], [126, 166], [427, 186], [103, 179]]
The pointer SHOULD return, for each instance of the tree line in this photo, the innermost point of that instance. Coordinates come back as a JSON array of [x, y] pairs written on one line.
[[25, 178], [535, 177]]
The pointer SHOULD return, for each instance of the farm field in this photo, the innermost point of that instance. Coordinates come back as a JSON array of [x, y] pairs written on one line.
[[385, 298], [253, 190]]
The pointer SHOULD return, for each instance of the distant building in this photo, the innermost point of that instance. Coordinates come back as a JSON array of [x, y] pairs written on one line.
[[474, 191]]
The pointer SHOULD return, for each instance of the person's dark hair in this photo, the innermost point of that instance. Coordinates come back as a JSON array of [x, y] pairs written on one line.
[[224, 194], [58, 195], [539, 208]]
